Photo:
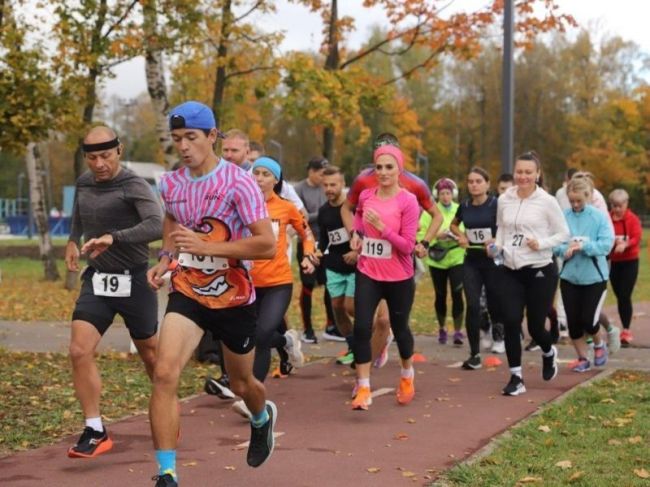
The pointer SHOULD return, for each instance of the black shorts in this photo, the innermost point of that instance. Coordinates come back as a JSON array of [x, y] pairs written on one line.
[[139, 311], [235, 327]]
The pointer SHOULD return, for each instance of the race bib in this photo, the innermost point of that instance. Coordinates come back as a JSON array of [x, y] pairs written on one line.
[[376, 248], [112, 285], [205, 263], [338, 236], [478, 235], [515, 240]]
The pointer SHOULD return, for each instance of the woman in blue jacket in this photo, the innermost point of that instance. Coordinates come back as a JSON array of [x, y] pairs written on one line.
[[583, 280]]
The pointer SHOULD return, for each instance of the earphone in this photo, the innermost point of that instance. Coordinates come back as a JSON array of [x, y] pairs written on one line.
[[454, 189]]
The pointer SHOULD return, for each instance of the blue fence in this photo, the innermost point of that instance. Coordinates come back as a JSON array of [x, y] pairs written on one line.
[[59, 226]]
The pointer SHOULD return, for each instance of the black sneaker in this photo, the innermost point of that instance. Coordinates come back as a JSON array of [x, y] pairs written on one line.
[[549, 365], [165, 480], [532, 346], [91, 443], [472, 363], [332, 333], [262, 441], [308, 336], [515, 386], [218, 387]]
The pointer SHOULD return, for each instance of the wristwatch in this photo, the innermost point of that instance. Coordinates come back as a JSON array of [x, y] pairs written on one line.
[[165, 253], [424, 243]]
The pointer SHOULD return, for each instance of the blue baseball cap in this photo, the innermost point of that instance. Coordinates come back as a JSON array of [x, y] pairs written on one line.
[[192, 115], [267, 163]]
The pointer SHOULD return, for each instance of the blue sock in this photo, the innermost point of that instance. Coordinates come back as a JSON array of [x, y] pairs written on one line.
[[258, 420], [166, 462]]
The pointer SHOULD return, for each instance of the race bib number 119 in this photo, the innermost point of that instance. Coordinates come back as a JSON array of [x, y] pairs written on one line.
[[376, 248]]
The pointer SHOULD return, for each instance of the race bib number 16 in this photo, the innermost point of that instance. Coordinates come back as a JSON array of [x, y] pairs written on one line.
[[376, 248], [479, 235]]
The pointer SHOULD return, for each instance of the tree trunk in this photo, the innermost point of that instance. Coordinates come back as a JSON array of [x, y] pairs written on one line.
[[332, 63], [33, 163], [222, 53], [156, 86]]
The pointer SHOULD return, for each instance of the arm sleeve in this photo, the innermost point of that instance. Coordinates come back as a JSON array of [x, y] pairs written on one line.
[[297, 221], [634, 231], [603, 241], [404, 241], [324, 239], [558, 228], [76, 229], [150, 212]]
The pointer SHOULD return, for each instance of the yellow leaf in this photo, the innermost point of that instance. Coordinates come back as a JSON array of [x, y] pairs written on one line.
[[530, 480], [373, 469], [634, 440], [576, 475], [410, 420], [614, 442], [564, 464], [608, 400], [67, 414], [408, 474], [229, 467], [545, 429], [190, 464], [642, 473]]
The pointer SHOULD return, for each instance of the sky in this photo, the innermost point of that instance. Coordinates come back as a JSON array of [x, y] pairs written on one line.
[[627, 18]]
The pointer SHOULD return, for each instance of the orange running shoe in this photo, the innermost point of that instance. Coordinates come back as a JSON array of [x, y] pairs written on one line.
[[90, 444], [362, 400], [406, 390]]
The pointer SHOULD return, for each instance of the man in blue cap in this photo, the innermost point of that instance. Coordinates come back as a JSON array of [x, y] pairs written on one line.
[[215, 223]]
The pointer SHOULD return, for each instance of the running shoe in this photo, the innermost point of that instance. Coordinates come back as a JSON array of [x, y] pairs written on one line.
[[355, 389], [362, 399], [532, 346], [581, 365], [472, 363], [262, 441], [332, 333], [293, 348], [91, 444], [240, 408], [458, 337], [406, 390], [626, 338], [486, 339], [515, 387], [498, 346], [549, 365], [346, 359], [218, 387], [380, 361], [166, 480], [601, 355], [614, 338], [282, 371], [308, 336], [442, 336], [564, 330]]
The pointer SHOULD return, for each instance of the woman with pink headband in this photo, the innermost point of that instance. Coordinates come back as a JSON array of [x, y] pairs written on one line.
[[385, 225]]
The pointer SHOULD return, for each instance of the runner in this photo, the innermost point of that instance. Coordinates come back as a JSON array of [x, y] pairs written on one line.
[[479, 216], [529, 224], [445, 260], [338, 259], [385, 225], [381, 331], [216, 220], [624, 258], [505, 181], [583, 280], [117, 215], [313, 197]]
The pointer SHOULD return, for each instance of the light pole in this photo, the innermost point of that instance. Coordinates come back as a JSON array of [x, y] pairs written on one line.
[[508, 112]]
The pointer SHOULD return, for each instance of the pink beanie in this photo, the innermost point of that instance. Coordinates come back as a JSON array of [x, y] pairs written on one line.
[[392, 151]]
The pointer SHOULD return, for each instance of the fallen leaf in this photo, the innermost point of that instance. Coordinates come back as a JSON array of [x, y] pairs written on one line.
[[634, 440], [190, 464], [530, 480], [373, 469], [408, 473], [608, 400], [229, 467], [576, 475], [410, 421], [642, 473], [544, 428], [564, 464], [614, 442], [454, 379], [401, 436]]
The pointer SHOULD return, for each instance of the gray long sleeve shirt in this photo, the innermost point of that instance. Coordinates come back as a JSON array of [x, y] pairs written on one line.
[[313, 197], [124, 207]]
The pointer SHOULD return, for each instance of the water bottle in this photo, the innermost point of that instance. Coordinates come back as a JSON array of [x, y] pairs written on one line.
[[495, 253]]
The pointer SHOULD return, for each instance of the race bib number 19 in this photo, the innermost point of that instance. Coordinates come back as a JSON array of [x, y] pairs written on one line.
[[112, 285], [338, 236], [203, 262], [376, 248]]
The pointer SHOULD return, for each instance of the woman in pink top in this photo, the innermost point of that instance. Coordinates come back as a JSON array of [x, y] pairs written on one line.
[[385, 224]]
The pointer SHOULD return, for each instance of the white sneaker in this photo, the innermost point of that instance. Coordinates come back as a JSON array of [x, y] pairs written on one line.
[[486, 339], [498, 346], [564, 330], [614, 339], [240, 408], [293, 348]]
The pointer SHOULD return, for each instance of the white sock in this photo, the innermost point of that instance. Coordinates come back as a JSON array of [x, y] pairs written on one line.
[[516, 371], [95, 423], [549, 353], [407, 373], [364, 382]]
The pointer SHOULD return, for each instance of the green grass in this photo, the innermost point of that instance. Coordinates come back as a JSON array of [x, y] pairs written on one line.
[[602, 429]]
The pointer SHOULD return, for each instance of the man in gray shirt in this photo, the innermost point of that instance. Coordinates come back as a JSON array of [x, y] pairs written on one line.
[[117, 215], [311, 193]]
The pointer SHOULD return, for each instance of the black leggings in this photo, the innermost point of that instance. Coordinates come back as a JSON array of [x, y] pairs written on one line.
[[474, 278], [309, 282], [532, 289], [582, 305], [623, 276], [455, 277], [272, 303], [399, 297]]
